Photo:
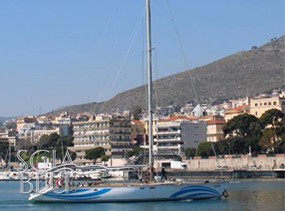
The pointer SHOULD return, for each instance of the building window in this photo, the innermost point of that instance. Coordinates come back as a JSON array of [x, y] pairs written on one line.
[[265, 104], [274, 103], [269, 103], [256, 104], [256, 113]]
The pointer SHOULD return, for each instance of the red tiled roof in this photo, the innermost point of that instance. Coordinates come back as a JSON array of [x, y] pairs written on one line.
[[239, 109], [216, 122], [207, 117], [177, 118], [137, 122]]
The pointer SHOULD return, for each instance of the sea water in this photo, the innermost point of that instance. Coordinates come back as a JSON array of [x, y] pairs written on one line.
[[254, 195]]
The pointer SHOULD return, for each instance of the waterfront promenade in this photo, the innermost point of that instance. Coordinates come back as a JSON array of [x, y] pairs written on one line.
[[243, 166], [242, 162]]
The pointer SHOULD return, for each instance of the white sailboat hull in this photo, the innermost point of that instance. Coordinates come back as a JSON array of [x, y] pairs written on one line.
[[135, 193]]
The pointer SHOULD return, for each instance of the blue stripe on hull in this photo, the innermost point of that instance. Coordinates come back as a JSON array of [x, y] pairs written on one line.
[[197, 190], [80, 195]]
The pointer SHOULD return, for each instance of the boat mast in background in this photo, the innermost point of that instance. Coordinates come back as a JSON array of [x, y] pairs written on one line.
[[149, 70]]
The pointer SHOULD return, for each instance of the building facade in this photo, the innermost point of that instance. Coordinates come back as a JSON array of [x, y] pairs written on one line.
[[215, 130], [175, 136], [260, 105], [111, 133], [231, 113], [215, 124]]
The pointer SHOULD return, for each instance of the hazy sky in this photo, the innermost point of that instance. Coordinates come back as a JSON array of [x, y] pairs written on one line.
[[56, 53]]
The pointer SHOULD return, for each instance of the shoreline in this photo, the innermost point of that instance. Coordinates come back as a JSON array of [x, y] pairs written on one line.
[[210, 175], [227, 174]]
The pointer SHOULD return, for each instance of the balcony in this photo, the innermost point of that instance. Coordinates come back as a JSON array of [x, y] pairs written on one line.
[[175, 147], [168, 140], [162, 132], [167, 152]]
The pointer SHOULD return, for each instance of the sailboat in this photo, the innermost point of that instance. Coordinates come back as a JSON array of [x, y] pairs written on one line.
[[131, 192]]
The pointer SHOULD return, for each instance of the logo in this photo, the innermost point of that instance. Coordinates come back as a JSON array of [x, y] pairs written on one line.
[[45, 176]]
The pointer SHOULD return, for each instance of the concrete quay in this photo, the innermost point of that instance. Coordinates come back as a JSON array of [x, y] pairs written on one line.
[[243, 166]]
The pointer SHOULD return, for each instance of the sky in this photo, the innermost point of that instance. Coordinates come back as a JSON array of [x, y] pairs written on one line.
[[59, 53]]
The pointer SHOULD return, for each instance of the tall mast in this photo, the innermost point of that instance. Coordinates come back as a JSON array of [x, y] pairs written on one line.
[[149, 70]]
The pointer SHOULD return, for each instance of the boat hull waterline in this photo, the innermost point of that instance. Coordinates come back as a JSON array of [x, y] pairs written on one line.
[[137, 193]]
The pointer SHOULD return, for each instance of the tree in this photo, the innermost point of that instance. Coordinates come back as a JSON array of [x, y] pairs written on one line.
[[245, 128], [243, 125], [26, 156], [135, 152], [267, 140], [94, 154], [205, 149], [190, 152], [271, 117], [4, 148], [53, 139], [72, 155], [23, 144], [223, 147], [281, 143], [136, 112], [55, 142], [61, 145], [49, 141], [43, 142], [105, 158], [67, 141], [273, 125]]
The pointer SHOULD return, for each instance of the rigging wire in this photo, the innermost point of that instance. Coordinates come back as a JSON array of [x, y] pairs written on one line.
[[156, 76], [180, 46], [187, 66], [130, 44], [143, 67], [116, 41], [217, 160]]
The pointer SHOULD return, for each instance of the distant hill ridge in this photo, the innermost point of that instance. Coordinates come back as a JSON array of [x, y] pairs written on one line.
[[245, 73]]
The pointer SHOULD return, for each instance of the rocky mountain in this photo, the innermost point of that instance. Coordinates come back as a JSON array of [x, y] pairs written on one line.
[[245, 73]]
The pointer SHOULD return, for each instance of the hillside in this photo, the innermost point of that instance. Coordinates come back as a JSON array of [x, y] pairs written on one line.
[[244, 73]]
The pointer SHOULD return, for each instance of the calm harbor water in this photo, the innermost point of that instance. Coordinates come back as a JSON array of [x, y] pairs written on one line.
[[243, 195]]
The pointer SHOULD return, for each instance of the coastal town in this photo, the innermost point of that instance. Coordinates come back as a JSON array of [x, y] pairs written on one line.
[[142, 105], [186, 138]]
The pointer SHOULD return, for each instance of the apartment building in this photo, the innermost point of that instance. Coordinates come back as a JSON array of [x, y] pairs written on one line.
[[33, 128], [25, 123], [110, 132], [173, 137], [215, 124], [215, 130], [9, 136]]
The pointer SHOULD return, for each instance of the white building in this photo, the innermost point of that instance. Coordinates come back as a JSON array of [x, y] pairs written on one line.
[[174, 137]]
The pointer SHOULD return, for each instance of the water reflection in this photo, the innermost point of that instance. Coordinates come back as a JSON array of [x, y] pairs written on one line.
[[267, 195]]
